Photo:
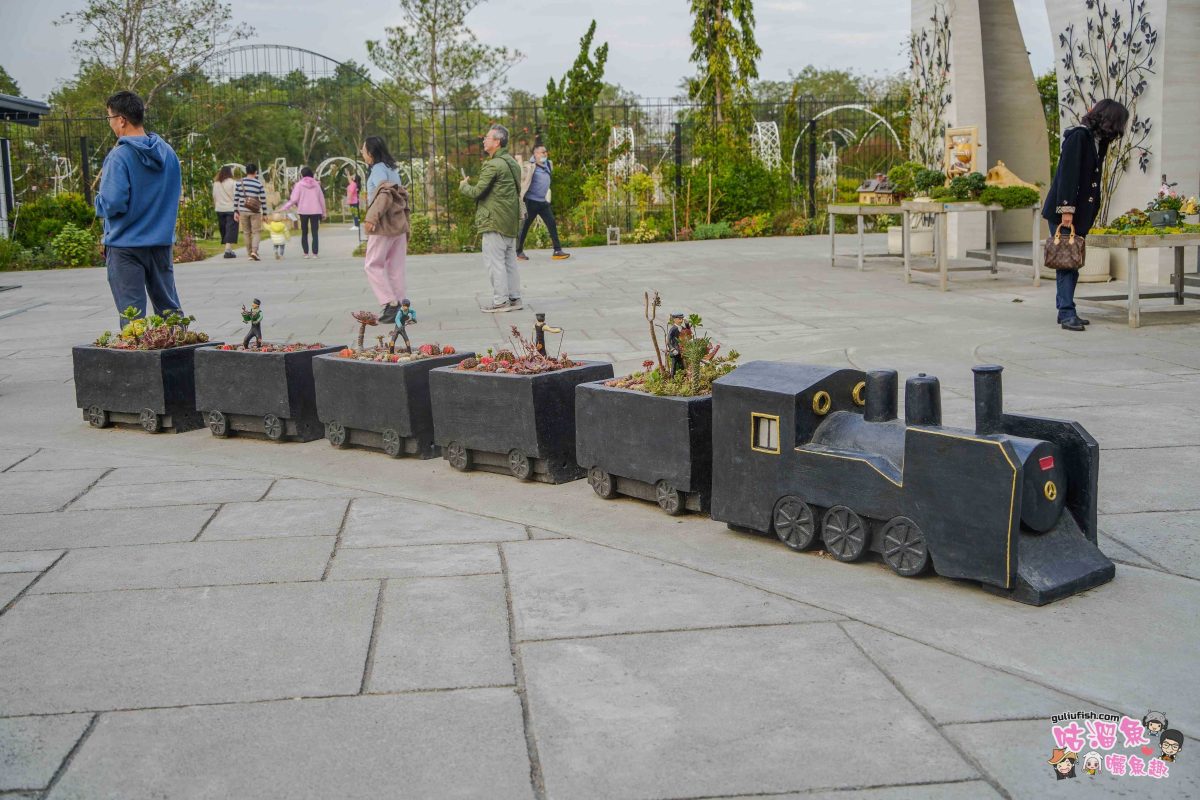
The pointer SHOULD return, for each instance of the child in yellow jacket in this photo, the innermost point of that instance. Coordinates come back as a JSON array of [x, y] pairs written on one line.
[[278, 229]]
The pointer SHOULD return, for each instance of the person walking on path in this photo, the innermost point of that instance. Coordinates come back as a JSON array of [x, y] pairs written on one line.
[[250, 203], [1074, 198], [387, 227], [352, 199], [497, 196], [535, 194], [139, 202], [223, 189], [308, 198]]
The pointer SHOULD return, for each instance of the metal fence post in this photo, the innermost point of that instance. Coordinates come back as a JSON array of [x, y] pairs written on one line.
[[85, 169], [678, 157], [812, 168]]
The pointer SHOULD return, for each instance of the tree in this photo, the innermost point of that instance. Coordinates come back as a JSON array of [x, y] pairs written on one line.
[[141, 44], [573, 135], [726, 56], [1048, 89], [8, 85], [929, 63]]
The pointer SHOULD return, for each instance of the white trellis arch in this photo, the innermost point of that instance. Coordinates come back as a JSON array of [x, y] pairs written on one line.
[[621, 141], [764, 143], [847, 135]]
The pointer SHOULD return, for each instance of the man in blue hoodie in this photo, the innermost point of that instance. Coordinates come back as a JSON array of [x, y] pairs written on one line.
[[139, 201]]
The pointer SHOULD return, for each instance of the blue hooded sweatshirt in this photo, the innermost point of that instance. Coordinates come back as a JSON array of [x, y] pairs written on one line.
[[139, 193]]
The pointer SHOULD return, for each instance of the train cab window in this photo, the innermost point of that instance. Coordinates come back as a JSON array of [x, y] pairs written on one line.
[[764, 433]]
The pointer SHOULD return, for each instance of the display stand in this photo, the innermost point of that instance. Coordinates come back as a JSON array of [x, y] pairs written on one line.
[[859, 211], [1131, 300], [941, 262]]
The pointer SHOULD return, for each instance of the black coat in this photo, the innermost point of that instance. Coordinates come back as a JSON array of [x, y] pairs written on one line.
[[1076, 185]]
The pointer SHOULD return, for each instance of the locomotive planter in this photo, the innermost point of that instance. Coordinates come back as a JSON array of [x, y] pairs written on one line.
[[504, 422], [379, 405], [263, 393], [809, 452], [645, 446], [151, 389]]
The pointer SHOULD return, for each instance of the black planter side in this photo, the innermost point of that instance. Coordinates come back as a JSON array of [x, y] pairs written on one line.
[[654, 446], [495, 415], [152, 389], [378, 405], [268, 393]]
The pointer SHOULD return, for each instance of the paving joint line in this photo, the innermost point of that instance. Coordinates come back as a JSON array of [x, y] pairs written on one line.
[[22, 461], [825, 790], [700, 629], [66, 762], [376, 622], [32, 583], [300, 582], [337, 541], [536, 778], [268, 491], [207, 522], [103, 475]]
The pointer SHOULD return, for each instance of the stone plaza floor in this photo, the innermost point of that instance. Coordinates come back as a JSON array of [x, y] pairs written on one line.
[[188, 617]]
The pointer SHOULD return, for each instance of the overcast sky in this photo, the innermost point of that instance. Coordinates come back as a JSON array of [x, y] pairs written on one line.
[[648, 39]]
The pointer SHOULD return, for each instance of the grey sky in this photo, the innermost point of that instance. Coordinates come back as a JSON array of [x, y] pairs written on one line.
[[648, 39]]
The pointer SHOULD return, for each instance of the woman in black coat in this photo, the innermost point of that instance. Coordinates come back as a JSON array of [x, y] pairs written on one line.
[[1074, 196]]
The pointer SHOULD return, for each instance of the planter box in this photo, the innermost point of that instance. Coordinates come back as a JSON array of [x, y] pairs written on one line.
[[640, 445], [270, 394], [919, 239], [523, 425], [378, 405], [152, 389], [1096, 269]]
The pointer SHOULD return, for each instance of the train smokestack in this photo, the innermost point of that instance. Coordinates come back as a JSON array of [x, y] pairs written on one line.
[[989, 399], [882, 386], [922, 400]]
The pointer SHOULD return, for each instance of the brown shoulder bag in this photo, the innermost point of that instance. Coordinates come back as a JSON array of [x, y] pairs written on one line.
[[1068, 253]]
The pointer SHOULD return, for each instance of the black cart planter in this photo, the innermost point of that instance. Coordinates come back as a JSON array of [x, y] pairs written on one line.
[[523, 425], [269, 394], [377, 404], [154, 390], [645, 446]]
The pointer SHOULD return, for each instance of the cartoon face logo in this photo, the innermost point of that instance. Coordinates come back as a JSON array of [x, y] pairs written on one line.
[[1155, 722], [1091, 763], [1171, 743], [1063, 762]]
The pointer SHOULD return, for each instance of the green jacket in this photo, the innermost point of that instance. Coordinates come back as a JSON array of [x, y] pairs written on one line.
[[497, 195]]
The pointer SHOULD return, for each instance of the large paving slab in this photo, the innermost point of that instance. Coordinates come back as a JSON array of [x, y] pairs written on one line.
[[87, 652], [101, 528], [959, 790], [464, 744], [49, 459], [1164, 480], [384, 522], [723, 712], [441, 633], [269, 519], [12, 584], [418, 561], [25, 492], [13, 456], [1170, 539], [140, 475], [169, 566], [294, 489], [180, 493], [563, 588], [32, 748], [1016, 755], [33, 561]]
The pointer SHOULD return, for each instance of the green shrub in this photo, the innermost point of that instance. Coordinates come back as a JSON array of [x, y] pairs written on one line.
[[967, 187], [749, 227], [38, 221], [717, 230], [593, 240], [903, 177], [743, 187], [782, 221], [420, 235], [925, 181], [186, 250], [75, 247], [197, 218], [803, 227], [1010, 196], [644, 233], [361, 250], [12, 255]]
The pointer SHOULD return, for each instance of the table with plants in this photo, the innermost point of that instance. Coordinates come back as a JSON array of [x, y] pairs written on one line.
[[858, 210], [1161, 225]]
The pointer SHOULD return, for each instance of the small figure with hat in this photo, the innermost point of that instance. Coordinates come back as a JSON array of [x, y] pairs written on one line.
[[254, 318], [405, 316], [677, 332], [540, 329]]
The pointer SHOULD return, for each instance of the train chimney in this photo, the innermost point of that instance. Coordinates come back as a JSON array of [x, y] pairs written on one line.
[[989, 399], [922, 400], [881, 395]]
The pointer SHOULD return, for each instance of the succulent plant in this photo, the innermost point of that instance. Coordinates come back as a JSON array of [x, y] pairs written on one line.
[[364, 318]]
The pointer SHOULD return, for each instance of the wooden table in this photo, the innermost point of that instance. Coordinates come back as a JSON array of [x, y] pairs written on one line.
[[941, 261], [855, 210], [1132, 299]]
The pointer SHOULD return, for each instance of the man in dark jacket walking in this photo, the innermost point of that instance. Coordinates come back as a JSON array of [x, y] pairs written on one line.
[[139, 201], [498, 217]]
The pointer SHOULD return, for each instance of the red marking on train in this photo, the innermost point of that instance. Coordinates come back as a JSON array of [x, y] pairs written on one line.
[[1046, 462]]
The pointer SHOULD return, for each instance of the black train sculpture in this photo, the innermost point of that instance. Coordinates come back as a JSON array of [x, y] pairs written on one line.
[[810, 452]]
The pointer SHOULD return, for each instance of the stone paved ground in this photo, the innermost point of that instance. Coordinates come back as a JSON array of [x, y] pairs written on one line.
[[182, 616]]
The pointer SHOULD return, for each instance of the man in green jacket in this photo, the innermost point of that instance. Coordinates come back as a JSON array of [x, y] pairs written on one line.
[[497, 196]]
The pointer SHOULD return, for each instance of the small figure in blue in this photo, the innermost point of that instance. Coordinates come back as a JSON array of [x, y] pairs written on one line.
[[404, 317], [678, 332], [540, 328], [254, 318]]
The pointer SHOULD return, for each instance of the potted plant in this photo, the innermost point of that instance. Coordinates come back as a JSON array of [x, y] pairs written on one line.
[[141, 376], [378, 397], [649, 435], [266, 389], [915, 181], [512, 411], [1164, 209]]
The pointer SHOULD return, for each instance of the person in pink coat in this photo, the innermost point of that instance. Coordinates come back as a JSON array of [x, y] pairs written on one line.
[[309, 199]]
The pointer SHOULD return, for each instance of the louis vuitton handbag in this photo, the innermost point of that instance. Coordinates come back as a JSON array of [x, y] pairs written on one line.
[[1066, 253]]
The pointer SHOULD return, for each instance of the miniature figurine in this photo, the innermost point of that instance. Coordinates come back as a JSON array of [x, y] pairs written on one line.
[[678, 332], [405, 316], [254, 317], [539, 333]]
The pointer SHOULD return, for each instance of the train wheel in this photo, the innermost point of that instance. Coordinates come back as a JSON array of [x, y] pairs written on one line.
[[335, 432], [150, 421], [273, 427], [458, 456], [904, 547], [217, 423], [794, 522], [391, 443], [519, 465], [602, 483], [669, 498], [97, 417], [844, 533]]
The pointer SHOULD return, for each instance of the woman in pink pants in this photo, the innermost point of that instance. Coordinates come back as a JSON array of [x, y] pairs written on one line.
[[386, 227]]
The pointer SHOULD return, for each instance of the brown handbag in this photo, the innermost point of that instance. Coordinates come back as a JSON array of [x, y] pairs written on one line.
[[1065, 254]]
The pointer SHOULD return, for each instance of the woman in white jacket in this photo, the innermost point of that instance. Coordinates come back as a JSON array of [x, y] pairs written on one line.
[[222, 191]]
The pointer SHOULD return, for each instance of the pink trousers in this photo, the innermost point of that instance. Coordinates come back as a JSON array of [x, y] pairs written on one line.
[[385, 267]]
